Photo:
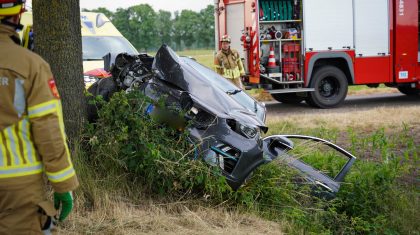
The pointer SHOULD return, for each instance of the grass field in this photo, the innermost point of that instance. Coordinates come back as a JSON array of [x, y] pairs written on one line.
[[205, 57], [380, 193]]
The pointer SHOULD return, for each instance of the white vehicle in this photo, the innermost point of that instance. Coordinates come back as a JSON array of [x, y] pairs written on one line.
[[99, 37]]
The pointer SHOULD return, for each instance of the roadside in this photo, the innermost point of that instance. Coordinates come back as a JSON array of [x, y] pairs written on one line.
[[176, 218]]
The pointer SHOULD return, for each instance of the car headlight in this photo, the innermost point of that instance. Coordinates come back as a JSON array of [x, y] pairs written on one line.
[[248, 131]]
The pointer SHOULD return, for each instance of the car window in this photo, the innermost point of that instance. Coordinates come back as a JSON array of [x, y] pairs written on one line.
[[95, 47]]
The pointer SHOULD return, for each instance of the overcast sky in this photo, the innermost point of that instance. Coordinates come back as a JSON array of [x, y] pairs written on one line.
[[168, 5]]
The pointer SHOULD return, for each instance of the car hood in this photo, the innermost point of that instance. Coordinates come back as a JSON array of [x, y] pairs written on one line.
[[200, 85]]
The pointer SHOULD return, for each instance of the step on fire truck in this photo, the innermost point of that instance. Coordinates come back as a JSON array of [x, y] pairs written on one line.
[[314, 49]]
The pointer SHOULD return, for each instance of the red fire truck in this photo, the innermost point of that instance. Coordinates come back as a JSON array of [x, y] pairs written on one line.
[[314, 49]]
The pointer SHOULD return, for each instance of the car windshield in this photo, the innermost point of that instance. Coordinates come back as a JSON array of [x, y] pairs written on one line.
[[95, 47], [220, 82]]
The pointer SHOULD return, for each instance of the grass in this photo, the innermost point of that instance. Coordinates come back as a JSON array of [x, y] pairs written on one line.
[[205, 57], [380, 196], [365, 90]]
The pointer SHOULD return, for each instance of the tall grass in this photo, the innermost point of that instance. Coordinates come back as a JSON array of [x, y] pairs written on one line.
[[126, 156]]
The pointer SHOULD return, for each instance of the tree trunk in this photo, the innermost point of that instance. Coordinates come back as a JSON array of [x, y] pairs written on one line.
[[58, 40]]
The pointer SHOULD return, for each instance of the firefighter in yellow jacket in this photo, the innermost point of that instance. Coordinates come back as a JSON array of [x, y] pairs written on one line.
[[228, 63], [32, 138]]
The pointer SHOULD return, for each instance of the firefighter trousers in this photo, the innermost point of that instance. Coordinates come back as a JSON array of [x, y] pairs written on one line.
[[237, 82], [24, 210]]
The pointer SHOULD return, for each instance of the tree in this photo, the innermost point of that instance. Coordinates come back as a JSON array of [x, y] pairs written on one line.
[[121, 20], [177, 31], [103, 10], [206, 30], [164, 27], [187, 26], [147, 29], [58, 41], [142, 21]]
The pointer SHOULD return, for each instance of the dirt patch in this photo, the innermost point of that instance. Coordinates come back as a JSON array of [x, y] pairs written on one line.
[[262, 96]]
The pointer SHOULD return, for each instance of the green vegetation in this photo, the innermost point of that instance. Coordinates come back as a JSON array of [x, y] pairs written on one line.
[[128, 154], [147, 29]]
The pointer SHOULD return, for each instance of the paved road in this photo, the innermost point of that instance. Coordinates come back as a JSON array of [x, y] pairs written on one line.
[[363, 102]]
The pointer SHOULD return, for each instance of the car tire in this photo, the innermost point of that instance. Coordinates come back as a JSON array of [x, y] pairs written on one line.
[[288, 98], [330, 85]]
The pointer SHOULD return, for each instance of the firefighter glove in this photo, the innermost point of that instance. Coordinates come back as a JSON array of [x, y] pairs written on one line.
[[64, 203]]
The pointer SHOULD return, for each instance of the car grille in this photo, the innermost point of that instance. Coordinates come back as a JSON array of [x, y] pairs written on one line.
[[227, 156]]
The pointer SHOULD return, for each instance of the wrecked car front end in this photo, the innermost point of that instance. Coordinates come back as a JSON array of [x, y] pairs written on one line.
[[227, 133], [224, 123]]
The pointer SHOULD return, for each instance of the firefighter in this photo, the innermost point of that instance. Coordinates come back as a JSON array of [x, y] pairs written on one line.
[[228, 63], [32, 138]]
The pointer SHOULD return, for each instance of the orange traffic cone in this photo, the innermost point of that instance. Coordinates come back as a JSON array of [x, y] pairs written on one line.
[[271, 59]]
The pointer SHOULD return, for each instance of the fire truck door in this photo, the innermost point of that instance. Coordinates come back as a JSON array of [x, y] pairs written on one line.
[[328, 24], [372, 41], [371, 27]]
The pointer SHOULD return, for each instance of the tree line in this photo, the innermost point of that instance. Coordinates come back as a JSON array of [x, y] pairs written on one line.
[[147, 29]]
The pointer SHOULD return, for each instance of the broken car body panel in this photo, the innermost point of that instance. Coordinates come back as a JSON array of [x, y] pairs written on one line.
[[226, 123], [278, 146]]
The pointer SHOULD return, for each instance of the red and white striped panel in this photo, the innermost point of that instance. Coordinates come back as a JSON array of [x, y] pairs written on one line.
[[255, 42]]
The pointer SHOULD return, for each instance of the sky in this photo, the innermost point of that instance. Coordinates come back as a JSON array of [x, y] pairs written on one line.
[[168, 5]]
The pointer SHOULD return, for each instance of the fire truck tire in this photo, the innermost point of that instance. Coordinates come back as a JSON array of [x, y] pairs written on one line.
[[288, 98], [330, 85], [409, 90]]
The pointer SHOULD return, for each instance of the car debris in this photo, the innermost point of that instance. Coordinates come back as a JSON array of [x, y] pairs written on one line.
[[225, 123]]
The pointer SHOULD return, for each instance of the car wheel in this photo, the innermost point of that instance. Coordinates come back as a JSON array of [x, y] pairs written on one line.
[[288, 98], [330, 85]]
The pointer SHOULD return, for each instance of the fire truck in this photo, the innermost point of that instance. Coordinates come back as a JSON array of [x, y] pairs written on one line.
[[313, 50]]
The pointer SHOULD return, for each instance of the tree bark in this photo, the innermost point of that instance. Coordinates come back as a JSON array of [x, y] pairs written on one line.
[[57, 30]]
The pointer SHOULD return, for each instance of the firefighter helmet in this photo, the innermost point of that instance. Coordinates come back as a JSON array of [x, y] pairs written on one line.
[[225, 38], [11, 7]]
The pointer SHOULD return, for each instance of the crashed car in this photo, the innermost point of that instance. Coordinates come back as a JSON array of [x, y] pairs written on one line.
[[225, 123]]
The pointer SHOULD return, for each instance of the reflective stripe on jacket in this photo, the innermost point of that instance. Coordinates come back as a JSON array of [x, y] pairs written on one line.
[[32, 137], [229, 64]]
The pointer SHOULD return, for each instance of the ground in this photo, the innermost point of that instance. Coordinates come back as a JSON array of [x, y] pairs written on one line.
[[363, 114]]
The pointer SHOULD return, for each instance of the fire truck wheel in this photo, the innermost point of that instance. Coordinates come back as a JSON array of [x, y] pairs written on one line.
[[288, 98], [409, 90], [330, 85]]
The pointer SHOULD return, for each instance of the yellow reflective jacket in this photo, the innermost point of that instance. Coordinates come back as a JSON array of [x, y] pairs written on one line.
[[229, 64], [32, 138]]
